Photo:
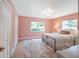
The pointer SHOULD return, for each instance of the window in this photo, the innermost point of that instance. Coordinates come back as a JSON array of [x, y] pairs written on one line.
[[37, 26], [69, 24]]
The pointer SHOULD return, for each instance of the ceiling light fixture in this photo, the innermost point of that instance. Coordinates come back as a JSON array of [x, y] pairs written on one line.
[[47, 12]]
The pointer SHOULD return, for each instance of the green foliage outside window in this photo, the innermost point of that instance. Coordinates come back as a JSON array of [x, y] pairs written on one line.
[[69, 24], [37, 26]]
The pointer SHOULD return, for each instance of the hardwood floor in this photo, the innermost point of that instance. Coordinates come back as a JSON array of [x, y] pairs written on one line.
[[33, 48]]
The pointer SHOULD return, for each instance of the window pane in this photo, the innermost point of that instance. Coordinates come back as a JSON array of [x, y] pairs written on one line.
[[37, 26], [69, 24], [42, 30], [34, 26], [41, 26], [34, 30], [72, 23]]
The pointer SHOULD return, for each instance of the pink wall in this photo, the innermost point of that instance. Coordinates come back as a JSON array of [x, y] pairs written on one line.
[[24, 26]]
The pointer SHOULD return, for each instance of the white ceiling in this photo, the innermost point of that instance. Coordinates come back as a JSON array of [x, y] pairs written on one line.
[[45, 8]]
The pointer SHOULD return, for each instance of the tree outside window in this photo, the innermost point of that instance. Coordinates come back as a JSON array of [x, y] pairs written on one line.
[[69, 24], [37, 26]]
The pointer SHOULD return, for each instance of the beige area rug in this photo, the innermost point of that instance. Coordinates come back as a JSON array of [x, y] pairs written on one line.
[[34, 48]]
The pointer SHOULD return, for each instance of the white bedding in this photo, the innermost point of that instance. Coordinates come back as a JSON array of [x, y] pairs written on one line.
[[62, 40]]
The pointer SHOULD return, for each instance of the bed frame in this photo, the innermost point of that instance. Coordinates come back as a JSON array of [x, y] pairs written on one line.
[[54, 46], [54, 41]]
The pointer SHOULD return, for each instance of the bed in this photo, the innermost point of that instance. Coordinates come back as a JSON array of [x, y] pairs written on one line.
[[60, 41]]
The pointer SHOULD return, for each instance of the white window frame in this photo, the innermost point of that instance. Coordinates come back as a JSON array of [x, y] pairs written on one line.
[[64, 26], [38, 27]]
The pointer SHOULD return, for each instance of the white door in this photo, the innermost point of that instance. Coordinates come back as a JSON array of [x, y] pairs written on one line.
[[8, 30], [5, 27], [1, 33]]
